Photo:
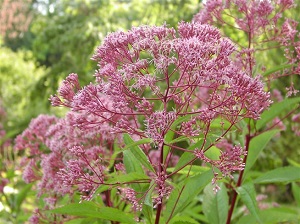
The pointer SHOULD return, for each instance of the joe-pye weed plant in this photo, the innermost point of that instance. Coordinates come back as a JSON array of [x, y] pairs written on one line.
[[173, 124]]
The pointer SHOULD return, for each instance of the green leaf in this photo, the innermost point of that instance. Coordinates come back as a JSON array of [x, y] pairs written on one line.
[[193, 208], [82, 221], [278, 68], [113, 157], [148, 213], [22, 195], [179, 139], [192, 171], [296, 193], [293, 162], [198, 144], [180, 120], [170, 134], [280, 175], [130, 143], [197, 216], [216, 124], [271, 216], [131, 163], [183, 220], [257, 144], [213, 153], [186, 191], [215, 205], [184, 138], [137, 151], [275, 110], [148, 205], [133, 176], [187, 157], [89, 209], [248, 197], [183, 160]]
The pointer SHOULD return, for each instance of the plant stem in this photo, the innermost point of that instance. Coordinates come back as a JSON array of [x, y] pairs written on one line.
[[161, 169], [108, 201], [239, 182], [158, 211], [109, 204]]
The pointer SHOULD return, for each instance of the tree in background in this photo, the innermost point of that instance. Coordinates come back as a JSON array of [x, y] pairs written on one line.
[[15, 18], [69, 32], [18, 78]]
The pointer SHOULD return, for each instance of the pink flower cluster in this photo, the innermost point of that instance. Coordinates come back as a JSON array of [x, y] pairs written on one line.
[[56, 158], [150, 73], [260, 23], [230, 160], [149, 79]]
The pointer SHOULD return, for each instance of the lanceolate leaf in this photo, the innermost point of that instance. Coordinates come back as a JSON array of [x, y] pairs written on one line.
[[293, 163], [215, 205], [183, 220], [22, 195], [296, 193], [257, 144], [275, 110], [82, 221], [169, 137], [183, 160], [182, 196], [186, 157], [190, 170], [213, 153], [219, 123], [133, 176], [130, 143], [271, 216], [89, 209], [278, 68], [137, 151], [248, 197], [131, 163], [280, 175], [179, 139], [148, 205]]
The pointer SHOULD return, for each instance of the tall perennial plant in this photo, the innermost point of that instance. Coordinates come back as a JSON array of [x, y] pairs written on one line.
[[173, 123]]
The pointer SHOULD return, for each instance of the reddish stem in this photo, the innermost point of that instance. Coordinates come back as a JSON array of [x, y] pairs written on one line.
[[158, 211], [161, 169], [109, 203], [239, 182]]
